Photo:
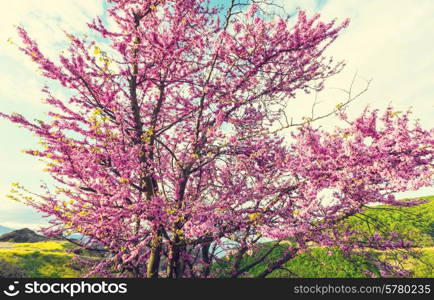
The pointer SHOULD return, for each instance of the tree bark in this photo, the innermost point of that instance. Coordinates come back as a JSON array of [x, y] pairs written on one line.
[[206, 259], [289, 254], [154, 258]]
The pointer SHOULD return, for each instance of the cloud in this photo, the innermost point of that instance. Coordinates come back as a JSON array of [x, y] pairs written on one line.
[[391, 43], [290, 6], [17, 215], [21, 225], [45, 21], [20, 89]]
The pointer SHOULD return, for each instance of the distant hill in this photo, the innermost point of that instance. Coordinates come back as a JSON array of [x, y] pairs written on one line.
[[22, 236], [4, 230]]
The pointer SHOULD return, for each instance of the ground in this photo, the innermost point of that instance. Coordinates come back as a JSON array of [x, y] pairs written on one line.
[[44, 259]]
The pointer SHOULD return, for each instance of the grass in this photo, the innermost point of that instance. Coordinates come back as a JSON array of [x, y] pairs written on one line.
[[44, 259], [410, 223], [318, 262], [332, 263], [423, 267], [420, 263], [414, 223], [326, 263], [52, 246]]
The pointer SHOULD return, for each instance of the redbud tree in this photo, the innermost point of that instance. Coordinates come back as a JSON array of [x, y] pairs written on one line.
[[175, 148]]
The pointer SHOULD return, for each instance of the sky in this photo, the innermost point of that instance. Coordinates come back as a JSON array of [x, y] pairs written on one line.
[[390, 42]]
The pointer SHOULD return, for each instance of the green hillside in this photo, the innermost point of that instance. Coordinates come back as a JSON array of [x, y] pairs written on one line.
[[44, 259], [414, 223], [410, 223]]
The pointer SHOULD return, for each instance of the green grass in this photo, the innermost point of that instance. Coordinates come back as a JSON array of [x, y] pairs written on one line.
[[53, 246], [326, 263], [424, 266], [44, 259], [414, 223], [410, 223], [332, 263], [318, 262]]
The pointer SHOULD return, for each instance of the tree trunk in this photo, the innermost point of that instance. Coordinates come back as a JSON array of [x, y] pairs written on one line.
[[172, 262], [206, 259], [289, 254], [154, 258]]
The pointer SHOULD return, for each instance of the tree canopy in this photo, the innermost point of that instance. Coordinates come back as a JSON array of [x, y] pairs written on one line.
[[176, 145]]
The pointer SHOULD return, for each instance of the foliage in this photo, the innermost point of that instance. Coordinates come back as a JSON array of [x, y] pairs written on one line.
[[173, 143]]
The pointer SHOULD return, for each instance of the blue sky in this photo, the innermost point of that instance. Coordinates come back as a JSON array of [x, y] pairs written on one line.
[[392, 44]]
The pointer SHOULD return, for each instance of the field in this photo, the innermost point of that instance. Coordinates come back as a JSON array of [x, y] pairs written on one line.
[[330, 263], [51, 259], [43, 260], [413, 223]]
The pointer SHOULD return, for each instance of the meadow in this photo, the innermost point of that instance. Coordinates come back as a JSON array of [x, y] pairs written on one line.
[[410, 223], [48, 259]]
